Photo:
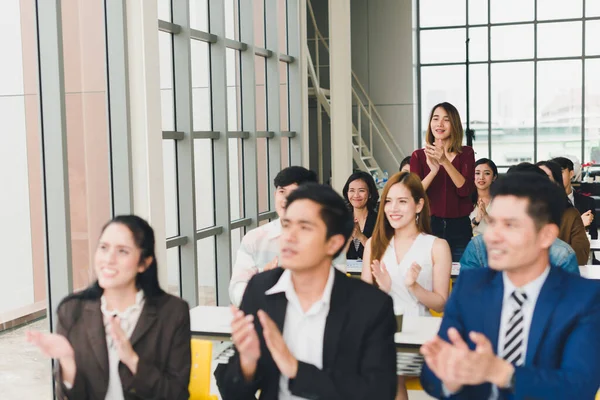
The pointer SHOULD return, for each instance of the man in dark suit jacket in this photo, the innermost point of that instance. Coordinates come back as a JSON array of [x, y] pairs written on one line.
[[519, 329], [584, 204], [307, 330]]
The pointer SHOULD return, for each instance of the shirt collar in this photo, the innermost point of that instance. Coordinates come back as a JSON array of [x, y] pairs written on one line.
[[139, 300], [274, 229], [285, 285], [532, 289]]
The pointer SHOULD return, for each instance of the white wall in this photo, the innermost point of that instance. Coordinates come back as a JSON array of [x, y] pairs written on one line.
[[16, 268]]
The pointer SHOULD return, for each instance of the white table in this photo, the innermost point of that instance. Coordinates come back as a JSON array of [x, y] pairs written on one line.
[[590, 271], [594, 244]]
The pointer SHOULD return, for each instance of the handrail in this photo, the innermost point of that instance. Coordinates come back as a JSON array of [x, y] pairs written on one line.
[[371, 105]]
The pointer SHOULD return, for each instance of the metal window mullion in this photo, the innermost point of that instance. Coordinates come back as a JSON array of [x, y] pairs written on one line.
[[273, 81], [218, 86], [248, 97], [583, 85], [59, 265], [186, 192], [535, 81], [489, 82], [418, 77], [295, 89], [118, 107]]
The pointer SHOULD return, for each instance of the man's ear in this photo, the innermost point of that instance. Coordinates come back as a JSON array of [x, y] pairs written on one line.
[[571, 175], [547, 235], [335, 243]]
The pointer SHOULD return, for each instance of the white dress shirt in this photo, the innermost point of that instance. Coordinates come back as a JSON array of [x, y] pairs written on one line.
[[258, 248], [303, 332], [571, 197]]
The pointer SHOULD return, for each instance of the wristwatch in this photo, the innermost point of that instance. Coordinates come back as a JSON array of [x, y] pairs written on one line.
[[474, 221]]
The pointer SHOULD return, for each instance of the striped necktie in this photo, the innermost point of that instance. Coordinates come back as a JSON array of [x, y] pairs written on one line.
[[513, 341]]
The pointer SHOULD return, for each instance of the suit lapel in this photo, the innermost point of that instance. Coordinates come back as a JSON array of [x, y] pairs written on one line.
[[96, 334], [338, 311], [492, 304], [146, 320], [544, 307], [276, 308]]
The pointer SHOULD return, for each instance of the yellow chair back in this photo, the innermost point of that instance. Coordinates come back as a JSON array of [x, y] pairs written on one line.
[[201, 370]]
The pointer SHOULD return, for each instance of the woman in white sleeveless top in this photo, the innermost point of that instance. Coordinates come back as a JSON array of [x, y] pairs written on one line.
[[404, 258]]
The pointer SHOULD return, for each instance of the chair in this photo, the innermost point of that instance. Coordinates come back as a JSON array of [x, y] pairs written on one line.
[[201, 370]]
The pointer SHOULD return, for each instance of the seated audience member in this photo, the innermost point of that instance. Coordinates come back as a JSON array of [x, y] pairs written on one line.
[[259, 250], [572, 230], [584, 203], [519, 329], [403, 257], [486, 173], [307, 331], [123, 337], [405, 165], [362, 196]]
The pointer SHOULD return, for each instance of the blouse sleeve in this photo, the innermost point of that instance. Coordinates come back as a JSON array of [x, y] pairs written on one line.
[[467, 170], [415, 165]]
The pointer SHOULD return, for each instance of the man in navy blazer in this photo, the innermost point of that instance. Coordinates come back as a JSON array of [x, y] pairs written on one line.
[[519, 329]]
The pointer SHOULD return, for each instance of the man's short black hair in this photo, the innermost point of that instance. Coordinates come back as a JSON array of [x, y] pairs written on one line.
[[294, 174], [335, 214], [546, 199], [564, 163], [526, 167], [404, 162]]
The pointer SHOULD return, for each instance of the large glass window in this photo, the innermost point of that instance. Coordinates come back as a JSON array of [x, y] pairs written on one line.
[[522, 96]]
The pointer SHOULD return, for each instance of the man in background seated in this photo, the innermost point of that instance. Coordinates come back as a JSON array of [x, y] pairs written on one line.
[[259, 250], [307, 331], [519, 329], [584, 204]]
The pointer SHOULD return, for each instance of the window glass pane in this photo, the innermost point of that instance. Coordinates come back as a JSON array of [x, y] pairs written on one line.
[[261, 93], [199, 15], [232, 30], [512, 42], [478, 12], [511, 10], [26, 374], [592, 8], [478, 44], [282, 26], [204, 175], [263, 174], [170, 177], [284, 97], [259, 22], [236, 239], [236, 179], [164, 10], [87, 127], [173, 269], [207, 268], [478, 108], [439, 84], [592, 32], [165, 53], [559, 9], [442, 13], [201, 86], [512, 113], [559, 39], [559, 108], [234, 113], [444, 45], [592, 111]]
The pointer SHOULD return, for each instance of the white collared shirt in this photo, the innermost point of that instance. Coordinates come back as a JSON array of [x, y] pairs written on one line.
[[129, 319], [303, 332], [571, 197], [258, 248]]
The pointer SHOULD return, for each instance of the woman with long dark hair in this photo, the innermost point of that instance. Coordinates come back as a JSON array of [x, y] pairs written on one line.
[[571, 230], [123, 337], [402, 256], [361, 195], [447, 170], [486, 173]]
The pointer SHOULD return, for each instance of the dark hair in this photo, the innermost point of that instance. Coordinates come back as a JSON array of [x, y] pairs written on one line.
[[294, 174], [546, 200], [527, 167], [143, 236], [373, 192], [564, 163], [456, 136], [334, 213], [492, 165], [555, 170], [404, 162]]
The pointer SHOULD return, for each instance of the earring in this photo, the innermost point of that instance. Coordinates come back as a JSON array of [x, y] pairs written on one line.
[[417, 219]]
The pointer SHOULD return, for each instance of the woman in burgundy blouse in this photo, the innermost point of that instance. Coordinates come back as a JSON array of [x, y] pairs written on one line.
[[447, 170]]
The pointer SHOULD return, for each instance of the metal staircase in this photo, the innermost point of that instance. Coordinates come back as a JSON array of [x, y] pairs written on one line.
[[366, 121]]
